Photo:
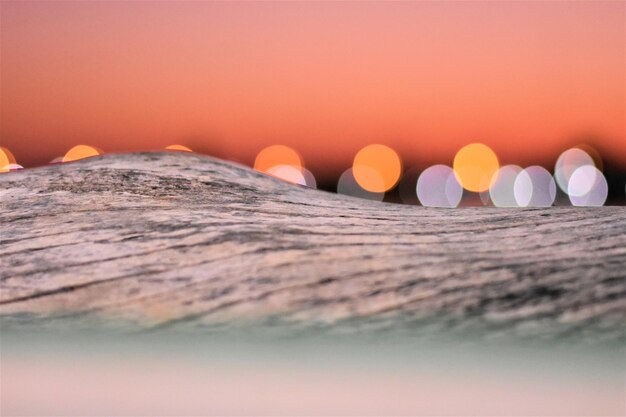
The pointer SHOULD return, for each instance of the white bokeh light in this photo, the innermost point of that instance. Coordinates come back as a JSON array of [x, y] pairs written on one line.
[[582, 181], [287, 173], [485, 198], [294, 175], [502, 191], [309, 178], [568, 162], [347, 185], [437, 186], [534, 187], [587, 187]]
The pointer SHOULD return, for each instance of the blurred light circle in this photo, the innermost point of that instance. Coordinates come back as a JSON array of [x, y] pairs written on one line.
[[534, 187], [11, 167], [485, 198], [6, 158], [568, 162], [287, 173], [81, 152], [376, 162], [347, 185], [294, 175], [277, 155], [437, 186], [57, 160], [593, 153], [582, 181], [182, 148], [475, 167], [501, 192], [309, 178], [592, 180], [523, 189]]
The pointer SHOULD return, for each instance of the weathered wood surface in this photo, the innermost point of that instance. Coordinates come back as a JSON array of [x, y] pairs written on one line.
[[175, 240]]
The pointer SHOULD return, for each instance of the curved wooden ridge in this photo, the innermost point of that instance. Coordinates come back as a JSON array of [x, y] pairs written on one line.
[[182, 240]]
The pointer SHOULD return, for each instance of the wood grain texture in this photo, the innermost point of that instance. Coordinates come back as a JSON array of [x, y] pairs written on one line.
[[176, 240]]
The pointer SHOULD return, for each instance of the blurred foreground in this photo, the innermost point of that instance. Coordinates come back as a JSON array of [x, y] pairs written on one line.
[[303, 374]]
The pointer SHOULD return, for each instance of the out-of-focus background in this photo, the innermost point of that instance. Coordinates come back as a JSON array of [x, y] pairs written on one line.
[[527, 79]]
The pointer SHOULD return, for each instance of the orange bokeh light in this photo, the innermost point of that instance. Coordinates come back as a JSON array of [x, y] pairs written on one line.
[[475, 166], [81, 152], [6, 158], [182, 148], [593, 153], [377, 168], [277, 155]]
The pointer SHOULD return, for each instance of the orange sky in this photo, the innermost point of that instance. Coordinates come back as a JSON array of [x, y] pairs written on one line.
[[327, 78]]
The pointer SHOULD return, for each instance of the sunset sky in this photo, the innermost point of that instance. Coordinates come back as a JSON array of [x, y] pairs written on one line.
[[326, 78]]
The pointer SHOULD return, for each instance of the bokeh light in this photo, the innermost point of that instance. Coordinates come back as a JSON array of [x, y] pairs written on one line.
[[437, 186], [81, 152], [277, 155], [377, 169], [501, 192], [587, 187], [568, 162], [294, 175], [6, 159], [582, 181], [181, 148], [375, 163], [593, 153], [309, 178], [348, 185], [534, 187], [475, 167], [287, 173], [485, 198], [12, 167]]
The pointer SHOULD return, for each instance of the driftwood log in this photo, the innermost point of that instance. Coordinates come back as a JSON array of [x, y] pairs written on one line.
[[177, 240]]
